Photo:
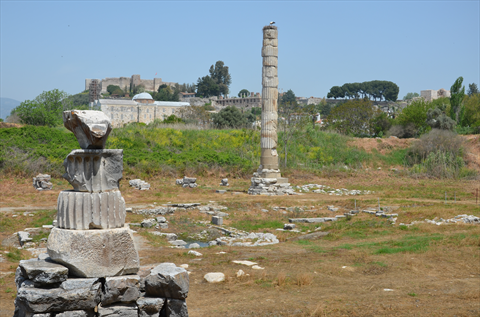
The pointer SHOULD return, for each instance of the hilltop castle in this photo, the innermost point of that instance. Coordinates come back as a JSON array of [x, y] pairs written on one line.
[[128, 82]]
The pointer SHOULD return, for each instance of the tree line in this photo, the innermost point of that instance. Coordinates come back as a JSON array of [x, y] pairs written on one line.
[[375, 89]]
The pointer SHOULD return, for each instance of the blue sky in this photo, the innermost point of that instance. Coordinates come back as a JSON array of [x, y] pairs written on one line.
[[416, 44]]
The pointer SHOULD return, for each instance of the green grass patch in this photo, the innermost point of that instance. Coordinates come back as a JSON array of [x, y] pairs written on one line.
[[156, 241], [14, 256], [43, 217], [42, 234], [252, 224]]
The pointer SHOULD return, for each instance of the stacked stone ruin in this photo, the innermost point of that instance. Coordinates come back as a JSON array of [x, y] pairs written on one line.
[[268, 179], [92, 267], [42, 182]]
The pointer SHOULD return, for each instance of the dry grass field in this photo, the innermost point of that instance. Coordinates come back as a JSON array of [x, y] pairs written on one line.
[[365, 266]]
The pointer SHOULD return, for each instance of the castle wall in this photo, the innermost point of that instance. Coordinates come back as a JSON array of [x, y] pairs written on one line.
[[135, 80], [117, 81], [428, 95]]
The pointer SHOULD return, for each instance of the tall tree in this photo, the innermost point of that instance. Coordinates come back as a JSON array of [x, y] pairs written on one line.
[[244, 92], [219, 73], [46, 109], [457, 94], [207, 87], [472, 89]]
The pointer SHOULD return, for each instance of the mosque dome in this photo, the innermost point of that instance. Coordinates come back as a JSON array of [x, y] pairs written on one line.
[[143, 95]]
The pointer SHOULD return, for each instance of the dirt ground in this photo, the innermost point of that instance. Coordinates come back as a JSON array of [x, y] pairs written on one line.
[[356, 270]]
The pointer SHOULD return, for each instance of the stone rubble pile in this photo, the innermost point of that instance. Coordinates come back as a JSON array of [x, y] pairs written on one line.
[[469, 219], [269, 186], [42, 182], [157, 223], [45, 289], [244, 239], [323, 189], [224, 182], [139, 184], [187, 182]]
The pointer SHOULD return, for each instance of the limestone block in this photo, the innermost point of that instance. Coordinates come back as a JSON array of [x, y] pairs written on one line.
[[40, 300], [91, 128], [167, 280], [269, 71], [43, 272], [76, 313], [42, 182], [215, 277], [119, 310], [82, 211], [270, 32], [123, 289], [217, 220], [94, 170], [270, 42], [149, 307], [189, 180], [23, 237], [176, 308], [269, 51], [148, 223], [94, 253], [270, 82], [270, 61], [270, 93]]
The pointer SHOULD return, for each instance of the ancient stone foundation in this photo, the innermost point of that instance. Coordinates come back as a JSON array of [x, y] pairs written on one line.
[[46, 289]]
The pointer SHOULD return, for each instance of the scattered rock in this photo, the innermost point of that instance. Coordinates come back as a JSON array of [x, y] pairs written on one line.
[[42, 182], [240, 273], [195, 253], [149, 307], [247, 263], [43, 273], [216, 277], [139, 184], [288, 226], [256, 267], [224, 182], [217, 220], [167, 280], [121, 289]]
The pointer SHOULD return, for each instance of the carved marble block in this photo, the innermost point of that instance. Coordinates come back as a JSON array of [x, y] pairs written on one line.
[[91, 128], [94, 170]]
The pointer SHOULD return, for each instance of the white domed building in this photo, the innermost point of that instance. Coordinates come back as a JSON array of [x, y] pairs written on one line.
[[142, 108]]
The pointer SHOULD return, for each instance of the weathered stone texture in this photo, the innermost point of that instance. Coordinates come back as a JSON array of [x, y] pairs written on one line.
[[94, 170], [122, 289], [37, 300], [167, 280], [94, 253], [90, 127], [175, 308], [119, 310], [43, 272], [83, 211], [149, 307]]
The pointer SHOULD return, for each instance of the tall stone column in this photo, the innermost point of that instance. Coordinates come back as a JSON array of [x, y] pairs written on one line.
[[91, 239], [268, 179], [269, 156]]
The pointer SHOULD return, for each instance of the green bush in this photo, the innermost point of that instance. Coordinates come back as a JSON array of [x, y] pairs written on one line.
[[438, 153]]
